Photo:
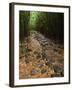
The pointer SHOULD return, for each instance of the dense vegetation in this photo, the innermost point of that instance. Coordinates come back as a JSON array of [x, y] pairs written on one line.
[[24, 24], [51, 25]]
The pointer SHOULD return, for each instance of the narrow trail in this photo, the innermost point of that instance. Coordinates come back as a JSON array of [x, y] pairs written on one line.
[[43, 58]]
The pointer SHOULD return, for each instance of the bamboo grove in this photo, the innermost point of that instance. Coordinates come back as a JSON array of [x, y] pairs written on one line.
[[50, 24]]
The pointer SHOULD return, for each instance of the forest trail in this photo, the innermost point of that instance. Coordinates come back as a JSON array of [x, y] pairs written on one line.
[[40, 57]]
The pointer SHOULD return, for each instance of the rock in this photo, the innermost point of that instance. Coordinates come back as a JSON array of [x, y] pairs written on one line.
[[43, 55], [43, 71], [56, 75], [49, 65], [40, 65], [58, 69], [50, 61], [39, 53], [42, 40], [34, 71], [29, 50], [38, 56], [26, 61], [55, 50], [35, 52]]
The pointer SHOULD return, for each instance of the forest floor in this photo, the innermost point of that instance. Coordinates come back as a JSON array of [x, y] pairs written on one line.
[[40, 57]]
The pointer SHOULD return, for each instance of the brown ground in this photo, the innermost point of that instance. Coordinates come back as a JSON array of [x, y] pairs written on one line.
[[40, 60]]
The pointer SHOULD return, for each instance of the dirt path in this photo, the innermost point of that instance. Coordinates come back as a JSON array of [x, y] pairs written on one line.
[[40, 58]]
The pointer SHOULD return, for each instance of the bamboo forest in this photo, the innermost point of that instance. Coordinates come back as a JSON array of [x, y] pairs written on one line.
[[41, 44]]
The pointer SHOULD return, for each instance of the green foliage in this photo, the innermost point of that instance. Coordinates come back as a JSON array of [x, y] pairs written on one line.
[[51, 25], [33, 19], [24, 18]]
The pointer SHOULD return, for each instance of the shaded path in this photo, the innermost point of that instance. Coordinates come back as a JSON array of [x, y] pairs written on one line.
[[43, 58]]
